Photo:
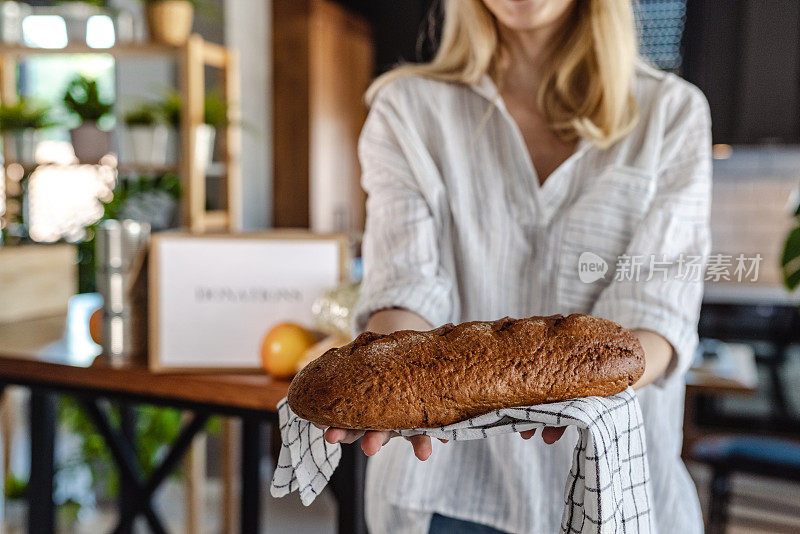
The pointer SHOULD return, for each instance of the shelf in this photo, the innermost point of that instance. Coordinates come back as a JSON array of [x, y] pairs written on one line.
[[126, 169], [119, 50], [215, 221], [212, 54], [190, 58], [215, 170]]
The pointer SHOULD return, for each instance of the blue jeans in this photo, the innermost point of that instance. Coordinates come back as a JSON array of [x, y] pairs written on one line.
[[448, 525]]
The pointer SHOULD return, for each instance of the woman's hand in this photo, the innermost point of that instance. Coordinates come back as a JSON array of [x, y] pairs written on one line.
[[373, 440], [550, 434]]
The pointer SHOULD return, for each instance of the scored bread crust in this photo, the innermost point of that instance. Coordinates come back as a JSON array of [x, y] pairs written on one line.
[[411, 379]]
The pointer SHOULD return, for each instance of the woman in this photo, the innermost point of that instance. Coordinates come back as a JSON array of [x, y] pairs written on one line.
[[535, 141]]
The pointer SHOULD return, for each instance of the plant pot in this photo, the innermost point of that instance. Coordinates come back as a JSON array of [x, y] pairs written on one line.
[[147, 145], [173, 145], [11, 15], [76, 15], [170, 21], [125, 26], [90, 142], [204, 146], [21, 145], [15, 512]]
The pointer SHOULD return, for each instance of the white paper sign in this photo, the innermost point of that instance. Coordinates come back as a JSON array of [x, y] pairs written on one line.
[[217, 297]]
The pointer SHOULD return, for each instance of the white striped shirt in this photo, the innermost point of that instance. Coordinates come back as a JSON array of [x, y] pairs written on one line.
[[459, 229]]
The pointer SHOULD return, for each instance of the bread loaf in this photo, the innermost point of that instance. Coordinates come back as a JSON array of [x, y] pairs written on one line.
[[411, 379]]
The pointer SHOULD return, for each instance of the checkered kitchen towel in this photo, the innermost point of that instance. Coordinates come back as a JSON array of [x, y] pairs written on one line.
[[608, 485]]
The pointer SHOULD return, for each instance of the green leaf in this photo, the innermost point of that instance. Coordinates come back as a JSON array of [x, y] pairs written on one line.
[[15, 488], [82, 97], [24, 114], [215, 109], [790, 260], [145, 115], [98, 3]]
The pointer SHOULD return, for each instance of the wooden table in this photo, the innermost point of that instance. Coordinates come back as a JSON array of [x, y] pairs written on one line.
[[54, 355], [732, 373]]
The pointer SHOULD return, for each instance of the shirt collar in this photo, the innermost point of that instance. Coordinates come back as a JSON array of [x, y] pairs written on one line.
[[486, 88]]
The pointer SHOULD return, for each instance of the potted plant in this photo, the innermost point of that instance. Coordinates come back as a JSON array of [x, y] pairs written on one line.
[[75, 14], [147, 136], [169, 21], [20, 124], [82, 98], [170, 108], [215, 116]]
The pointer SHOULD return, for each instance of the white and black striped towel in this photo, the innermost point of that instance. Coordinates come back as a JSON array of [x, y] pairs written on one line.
[[608, 485]]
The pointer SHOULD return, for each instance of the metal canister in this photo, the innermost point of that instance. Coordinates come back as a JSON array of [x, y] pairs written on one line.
[[120, 252]]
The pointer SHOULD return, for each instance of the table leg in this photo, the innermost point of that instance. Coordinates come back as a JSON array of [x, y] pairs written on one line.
[[252, 449], [229, 508], [41, 510], [124, 455], [780, 402], [5, 439], [347, 484], [127, 491]]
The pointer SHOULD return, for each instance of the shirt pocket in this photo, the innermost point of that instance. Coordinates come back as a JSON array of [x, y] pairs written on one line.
[[595, 229]]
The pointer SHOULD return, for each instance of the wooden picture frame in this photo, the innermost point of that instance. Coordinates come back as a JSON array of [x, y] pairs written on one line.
[[166, 256]]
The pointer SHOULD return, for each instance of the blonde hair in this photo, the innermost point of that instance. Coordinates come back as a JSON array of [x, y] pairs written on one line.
[[586, 88]]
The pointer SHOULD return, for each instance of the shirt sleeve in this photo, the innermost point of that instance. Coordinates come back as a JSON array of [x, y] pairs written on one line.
[[400, 248], [658, 283]]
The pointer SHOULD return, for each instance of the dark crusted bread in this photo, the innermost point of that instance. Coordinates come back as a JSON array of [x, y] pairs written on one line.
[[411, 379]]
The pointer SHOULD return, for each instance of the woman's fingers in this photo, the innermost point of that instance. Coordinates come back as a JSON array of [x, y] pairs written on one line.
[[422, 446], [335, 435], [341, 435], [372, 441], [352, 436], [551, 434]]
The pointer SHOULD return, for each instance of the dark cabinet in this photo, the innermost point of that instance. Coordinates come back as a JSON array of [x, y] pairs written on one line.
[[745, 56]]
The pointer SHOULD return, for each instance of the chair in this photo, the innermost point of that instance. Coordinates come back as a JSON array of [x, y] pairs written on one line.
[[758, 455]]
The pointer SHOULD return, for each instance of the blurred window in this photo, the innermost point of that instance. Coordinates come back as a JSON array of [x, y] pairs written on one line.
[[100, 32], [661, 24], [44, 31]]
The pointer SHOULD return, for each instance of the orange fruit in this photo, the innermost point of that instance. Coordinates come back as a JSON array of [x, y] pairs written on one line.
[[321, 347], [283, 347], [96, 326]]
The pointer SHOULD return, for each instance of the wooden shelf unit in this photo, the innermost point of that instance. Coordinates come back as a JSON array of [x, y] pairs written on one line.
[[191, 58]]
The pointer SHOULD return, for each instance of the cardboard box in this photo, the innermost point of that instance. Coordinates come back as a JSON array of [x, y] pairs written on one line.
[[36, 280]]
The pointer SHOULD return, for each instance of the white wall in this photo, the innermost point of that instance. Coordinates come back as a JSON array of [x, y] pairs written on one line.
[[248, 29]]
